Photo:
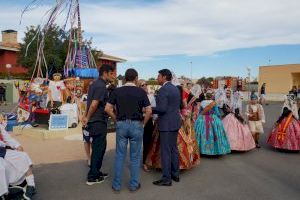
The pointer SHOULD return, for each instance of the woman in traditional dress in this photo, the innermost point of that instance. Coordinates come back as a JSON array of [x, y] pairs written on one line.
[[187, 145], [286, 133], [210, 132], [237, 100], [238, 133], [15, 165], [149, 127]]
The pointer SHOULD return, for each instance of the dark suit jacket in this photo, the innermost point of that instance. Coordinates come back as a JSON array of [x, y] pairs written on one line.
[[168, 108]]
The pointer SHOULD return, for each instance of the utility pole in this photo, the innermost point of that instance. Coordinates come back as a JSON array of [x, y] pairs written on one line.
[[191, 71], [249, 77]]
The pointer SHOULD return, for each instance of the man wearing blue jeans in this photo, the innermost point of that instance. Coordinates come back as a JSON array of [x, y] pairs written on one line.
[[129, 102]]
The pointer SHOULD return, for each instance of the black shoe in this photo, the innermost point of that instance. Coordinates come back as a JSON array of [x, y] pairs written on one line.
[[162, 183], [29, 192], [15, 189], [258, 146], [104, 175], [34, 124], [176, 178], [95, 181], [116, 191], [135, 189]]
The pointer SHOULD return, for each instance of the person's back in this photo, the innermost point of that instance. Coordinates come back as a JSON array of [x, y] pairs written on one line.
[[263, 89], [129, 102], [2, 90], [2, 94]]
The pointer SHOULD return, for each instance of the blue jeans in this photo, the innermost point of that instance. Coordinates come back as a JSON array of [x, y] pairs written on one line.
[[131, 131]]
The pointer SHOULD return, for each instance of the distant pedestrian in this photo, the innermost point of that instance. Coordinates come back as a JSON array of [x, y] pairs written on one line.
[[129, 102], [2, 94], [262, 96]]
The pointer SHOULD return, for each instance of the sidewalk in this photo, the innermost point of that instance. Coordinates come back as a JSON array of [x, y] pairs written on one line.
[[58, 150], [8, 108]]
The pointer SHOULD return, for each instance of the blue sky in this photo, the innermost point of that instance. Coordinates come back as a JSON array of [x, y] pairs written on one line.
[[226, 63], [218, 37]]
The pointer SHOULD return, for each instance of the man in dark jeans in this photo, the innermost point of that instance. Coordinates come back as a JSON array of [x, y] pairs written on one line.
[[95, 122], [129, 102]]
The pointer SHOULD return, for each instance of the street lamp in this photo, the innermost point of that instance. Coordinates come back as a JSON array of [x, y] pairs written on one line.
[[249, 77], [8, 66], [191, 71]]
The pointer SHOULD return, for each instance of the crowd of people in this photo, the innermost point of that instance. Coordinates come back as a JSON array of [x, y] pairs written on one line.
[[166, 130], [172, 128]]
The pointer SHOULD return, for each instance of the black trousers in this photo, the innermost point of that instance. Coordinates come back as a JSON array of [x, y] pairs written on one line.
[[98, 132], [147, 137], [169, 154]]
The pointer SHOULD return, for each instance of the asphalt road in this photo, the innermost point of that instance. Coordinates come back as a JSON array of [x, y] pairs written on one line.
[[264, 174]]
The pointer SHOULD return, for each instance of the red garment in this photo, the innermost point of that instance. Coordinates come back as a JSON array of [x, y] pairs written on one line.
[[185, 95], [188, 149], [288, 139], [1, 137]]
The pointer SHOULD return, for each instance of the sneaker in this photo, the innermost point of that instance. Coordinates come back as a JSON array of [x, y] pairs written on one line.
[[95, 181], [104, 175], [29, 191]]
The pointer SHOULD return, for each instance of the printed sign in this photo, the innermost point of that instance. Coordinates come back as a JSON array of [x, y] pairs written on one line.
[[58, 122]]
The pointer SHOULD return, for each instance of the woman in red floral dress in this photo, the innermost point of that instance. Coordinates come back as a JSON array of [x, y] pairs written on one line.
[[187, 144]]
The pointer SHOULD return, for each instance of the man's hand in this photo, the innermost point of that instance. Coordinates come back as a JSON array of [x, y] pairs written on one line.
[[20, 148], [84, 121], [109, 109]]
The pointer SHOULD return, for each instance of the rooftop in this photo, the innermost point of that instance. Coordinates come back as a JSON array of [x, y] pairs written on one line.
[[9, 46], [9, 31], [104, 56], [284, 65]]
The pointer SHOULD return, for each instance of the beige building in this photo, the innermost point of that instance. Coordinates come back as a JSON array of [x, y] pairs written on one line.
[[279, 79]]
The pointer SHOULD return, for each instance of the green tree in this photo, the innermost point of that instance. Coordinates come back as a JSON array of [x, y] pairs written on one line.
[[205, 82], [55, 49]]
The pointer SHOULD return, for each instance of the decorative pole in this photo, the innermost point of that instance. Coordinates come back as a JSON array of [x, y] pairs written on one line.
[[79, 35]]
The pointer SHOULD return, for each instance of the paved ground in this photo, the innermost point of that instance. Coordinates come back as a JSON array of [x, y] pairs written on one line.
[[260, 174]]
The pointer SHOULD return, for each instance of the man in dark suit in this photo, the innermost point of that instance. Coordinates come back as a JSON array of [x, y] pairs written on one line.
[[168, 110]]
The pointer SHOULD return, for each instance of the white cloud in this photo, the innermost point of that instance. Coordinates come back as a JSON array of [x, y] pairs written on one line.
[[192, 27]]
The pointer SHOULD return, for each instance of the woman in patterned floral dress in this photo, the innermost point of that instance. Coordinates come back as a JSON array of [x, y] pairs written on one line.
[[187, 145]]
